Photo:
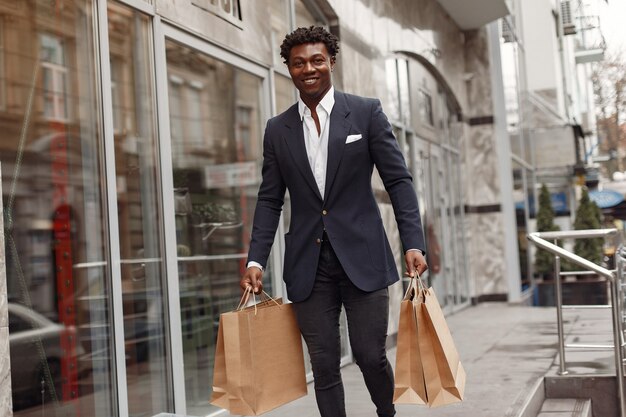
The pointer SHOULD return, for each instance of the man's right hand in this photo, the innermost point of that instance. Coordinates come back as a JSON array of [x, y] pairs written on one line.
[[252, 278]]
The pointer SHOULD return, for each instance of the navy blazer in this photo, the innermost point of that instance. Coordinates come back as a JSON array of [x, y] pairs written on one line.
[[348, 210]]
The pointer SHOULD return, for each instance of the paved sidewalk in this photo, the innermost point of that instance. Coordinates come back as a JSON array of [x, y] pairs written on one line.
[[504, 349]]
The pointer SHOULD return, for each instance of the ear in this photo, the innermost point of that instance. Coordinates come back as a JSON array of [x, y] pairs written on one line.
[[332, 63]]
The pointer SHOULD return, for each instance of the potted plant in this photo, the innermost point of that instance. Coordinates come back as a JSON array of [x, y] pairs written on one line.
[[588, 216], [544, 260], [588, 288]]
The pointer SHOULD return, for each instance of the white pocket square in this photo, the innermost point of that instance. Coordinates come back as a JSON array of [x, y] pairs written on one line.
[[353, 138]]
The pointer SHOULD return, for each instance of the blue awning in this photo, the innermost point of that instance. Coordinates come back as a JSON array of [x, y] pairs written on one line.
[[606, 198]]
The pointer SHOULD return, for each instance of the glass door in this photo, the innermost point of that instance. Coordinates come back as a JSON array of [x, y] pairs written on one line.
[[461, 279], [217, 111], [139, 211], [435, 226], [422, 165]]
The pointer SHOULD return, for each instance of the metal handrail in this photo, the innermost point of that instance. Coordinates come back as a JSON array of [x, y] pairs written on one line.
[[539, 239]]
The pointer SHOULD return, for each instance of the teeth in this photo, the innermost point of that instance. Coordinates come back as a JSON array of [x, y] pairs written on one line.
[[309, 81]]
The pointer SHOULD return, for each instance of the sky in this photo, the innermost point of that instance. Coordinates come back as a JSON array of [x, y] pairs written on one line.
[[612, 21]]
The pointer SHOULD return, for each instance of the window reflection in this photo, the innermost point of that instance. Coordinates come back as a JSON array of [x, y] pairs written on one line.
[[56, 257], [216, 133], [138, 210], [280, 19], [54, 74]]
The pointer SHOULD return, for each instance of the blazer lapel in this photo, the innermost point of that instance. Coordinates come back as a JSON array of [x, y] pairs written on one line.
[[339, 130], [295, 142]]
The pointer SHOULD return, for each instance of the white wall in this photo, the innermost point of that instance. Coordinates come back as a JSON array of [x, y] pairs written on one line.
[[543, 68]]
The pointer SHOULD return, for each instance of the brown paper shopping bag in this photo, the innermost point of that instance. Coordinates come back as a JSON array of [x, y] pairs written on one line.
[[443, 373], [259, 364], [220, 393], [409, 374]]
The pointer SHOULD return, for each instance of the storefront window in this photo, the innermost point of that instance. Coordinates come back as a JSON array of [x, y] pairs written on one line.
[[280, 20], [139, 210], [216, 171], [426, 108], [285, 93], [397, 74], [434, 225], [57, 259], [54, 75]]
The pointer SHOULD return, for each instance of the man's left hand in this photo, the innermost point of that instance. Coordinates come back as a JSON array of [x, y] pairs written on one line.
[[415, 261]]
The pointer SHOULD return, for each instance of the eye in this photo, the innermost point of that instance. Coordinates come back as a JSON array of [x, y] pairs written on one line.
[[319, 61], [297, 64]]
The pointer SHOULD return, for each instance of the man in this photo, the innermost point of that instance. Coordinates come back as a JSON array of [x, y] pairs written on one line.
[[323, 150]]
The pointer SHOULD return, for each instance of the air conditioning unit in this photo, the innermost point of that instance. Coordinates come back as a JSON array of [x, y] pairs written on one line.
[[506, 31], [567, 19]]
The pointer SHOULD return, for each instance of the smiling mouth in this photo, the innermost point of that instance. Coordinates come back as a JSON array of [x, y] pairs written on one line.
[[310, 81]]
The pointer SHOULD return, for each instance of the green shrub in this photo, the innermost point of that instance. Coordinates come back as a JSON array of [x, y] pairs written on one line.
[[544, 260]]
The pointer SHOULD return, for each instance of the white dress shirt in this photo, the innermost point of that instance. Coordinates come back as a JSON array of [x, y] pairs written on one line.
[[317, 144]]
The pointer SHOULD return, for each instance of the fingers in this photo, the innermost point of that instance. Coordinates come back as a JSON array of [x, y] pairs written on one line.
[[256, 283], [252, 278], [415, 262]]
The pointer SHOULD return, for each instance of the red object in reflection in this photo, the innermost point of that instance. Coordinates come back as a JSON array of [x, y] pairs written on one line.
[[63, 264]]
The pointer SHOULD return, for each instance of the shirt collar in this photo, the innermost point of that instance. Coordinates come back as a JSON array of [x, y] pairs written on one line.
[[327, 103]]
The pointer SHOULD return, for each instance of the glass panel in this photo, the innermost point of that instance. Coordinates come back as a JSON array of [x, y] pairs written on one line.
[[426, 108], [391, 74], [462, 279], [434, 220], [215, 188], [285, 93], [56, 237], [452, 227], [280, 21], [54, 70], [403, 85], [139, 212]]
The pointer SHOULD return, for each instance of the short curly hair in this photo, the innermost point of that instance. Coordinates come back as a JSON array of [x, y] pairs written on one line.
[[312, 34]]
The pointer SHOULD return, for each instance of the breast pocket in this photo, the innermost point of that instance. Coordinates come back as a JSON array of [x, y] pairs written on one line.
[[359, 145]]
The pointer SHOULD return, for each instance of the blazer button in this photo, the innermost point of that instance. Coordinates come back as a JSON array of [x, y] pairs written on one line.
[[324, 212], [318, 241]]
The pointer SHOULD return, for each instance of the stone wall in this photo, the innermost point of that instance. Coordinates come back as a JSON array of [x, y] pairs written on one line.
[[6, 408], [484, 220]]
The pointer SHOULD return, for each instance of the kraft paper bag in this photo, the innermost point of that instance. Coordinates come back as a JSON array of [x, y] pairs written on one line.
[[410, 387], [443, 373], [259, 363]]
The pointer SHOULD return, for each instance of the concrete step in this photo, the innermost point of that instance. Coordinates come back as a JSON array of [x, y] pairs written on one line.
[[565, 407]]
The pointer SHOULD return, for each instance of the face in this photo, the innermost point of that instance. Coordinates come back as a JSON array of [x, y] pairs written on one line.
[[310, 66]]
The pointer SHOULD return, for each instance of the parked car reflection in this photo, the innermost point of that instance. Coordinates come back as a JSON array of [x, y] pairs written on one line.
[[36, 357]]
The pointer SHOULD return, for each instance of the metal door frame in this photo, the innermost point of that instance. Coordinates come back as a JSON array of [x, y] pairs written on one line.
[[164, 31]]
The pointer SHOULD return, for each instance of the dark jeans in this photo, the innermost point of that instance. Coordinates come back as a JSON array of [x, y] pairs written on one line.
[[367, 313]]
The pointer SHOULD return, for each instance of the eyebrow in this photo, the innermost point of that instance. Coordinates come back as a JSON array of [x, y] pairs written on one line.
[[318, 55]]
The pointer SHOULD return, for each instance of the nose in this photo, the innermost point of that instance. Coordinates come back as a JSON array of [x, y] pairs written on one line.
[[308, 67]]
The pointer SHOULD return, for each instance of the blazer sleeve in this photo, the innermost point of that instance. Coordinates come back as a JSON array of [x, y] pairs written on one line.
[[397, 179], [269, 202]]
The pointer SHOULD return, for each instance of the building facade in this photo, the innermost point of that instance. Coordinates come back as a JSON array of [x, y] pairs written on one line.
[[550, 109], [130, 147]]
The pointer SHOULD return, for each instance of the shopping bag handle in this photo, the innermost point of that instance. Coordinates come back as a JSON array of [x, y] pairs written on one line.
[[244, 298], [265, 298], [416, 284]]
